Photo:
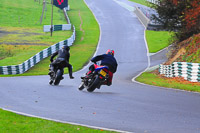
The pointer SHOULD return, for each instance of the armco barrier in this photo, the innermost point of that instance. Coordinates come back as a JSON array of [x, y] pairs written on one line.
[[144, 16], [141, 16], [26, 65], [47, 28], [189, 71]]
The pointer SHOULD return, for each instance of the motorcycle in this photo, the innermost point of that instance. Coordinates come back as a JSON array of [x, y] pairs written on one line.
[[95, 79], [56, 72]]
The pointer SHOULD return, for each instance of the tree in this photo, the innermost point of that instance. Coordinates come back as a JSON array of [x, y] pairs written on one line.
[[182, 16], [192, 16]]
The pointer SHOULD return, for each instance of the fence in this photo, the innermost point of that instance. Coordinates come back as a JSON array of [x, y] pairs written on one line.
[[153, 1], [26, 65], [189, 71], [47, 28]]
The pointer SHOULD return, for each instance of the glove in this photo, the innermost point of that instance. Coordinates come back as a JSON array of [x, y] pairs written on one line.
[[94, 62]]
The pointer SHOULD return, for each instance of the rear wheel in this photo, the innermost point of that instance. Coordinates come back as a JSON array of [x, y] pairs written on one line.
[[58, 77], [94, 84]]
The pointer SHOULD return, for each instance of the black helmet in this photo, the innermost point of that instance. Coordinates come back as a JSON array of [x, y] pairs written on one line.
[[66, 47]]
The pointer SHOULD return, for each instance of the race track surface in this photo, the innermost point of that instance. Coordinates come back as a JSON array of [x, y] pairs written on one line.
[[126, 105]]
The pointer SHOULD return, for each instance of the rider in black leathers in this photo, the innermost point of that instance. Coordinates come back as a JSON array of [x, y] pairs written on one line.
[[63, 55]]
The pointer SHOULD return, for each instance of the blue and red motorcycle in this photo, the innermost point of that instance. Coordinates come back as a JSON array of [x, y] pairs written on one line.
[[95, 79]]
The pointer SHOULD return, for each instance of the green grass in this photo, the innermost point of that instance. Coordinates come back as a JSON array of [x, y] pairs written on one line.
[[26, 13], [153, 79], [18, 54], [14, 123], [32, 36], [142, 2], [157, 40]]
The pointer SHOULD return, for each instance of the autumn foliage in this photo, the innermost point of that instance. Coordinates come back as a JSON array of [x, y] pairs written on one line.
[[192, 14], [182, 16]]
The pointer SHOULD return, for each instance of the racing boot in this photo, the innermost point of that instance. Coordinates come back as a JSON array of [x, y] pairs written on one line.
[[70, 73], [51, 82], [109, 83], [51, 70], [87, 75]]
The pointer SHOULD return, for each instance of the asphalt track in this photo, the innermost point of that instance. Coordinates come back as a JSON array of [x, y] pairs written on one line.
[[126, 105]]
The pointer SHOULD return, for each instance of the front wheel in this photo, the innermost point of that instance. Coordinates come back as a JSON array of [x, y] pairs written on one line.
[[94, 85], [52, 77]]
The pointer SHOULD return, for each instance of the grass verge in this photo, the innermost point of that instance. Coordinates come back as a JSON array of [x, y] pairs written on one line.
[[159, 80], [158, 40], [14, 123], [142, 2], [26, 14]]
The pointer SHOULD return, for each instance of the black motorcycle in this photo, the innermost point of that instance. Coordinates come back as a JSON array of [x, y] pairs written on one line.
[[56, 71], [95, 79]]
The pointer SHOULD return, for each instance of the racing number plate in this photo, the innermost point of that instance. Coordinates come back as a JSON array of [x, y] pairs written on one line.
[[103, 73]]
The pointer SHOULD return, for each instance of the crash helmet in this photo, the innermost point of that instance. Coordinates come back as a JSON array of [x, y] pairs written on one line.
[[66, 47], [111, 52]]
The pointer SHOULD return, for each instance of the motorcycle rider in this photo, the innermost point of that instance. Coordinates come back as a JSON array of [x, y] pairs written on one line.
[[108, 60], [63, 56]]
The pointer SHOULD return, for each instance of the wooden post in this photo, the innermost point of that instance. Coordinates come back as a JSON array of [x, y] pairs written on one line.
[[65, 16], [42, 12], [52, 18], [45, 10]]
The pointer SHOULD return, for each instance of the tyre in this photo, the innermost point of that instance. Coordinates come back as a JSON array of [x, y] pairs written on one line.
[[94, 84], [58, 77], [51, 82], [52, 76], [81, 86]]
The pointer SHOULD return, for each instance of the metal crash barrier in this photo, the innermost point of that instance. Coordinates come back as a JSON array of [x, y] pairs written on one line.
[[189, 71]]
